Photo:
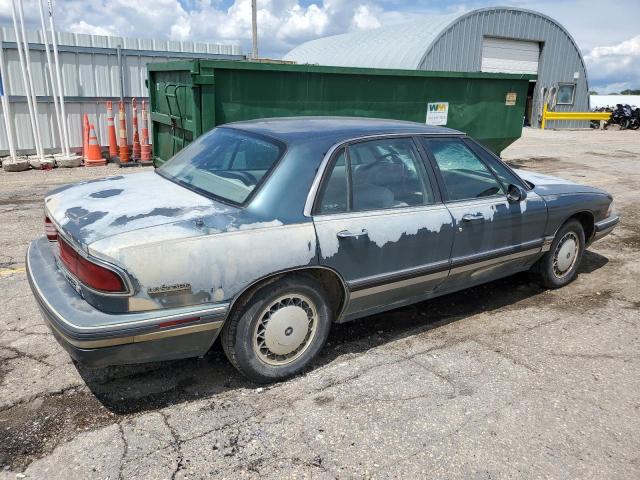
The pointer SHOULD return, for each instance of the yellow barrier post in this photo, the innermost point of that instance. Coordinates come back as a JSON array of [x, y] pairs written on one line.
[[547, 115]]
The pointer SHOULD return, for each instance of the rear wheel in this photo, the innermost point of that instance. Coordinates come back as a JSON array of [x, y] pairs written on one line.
[[559, 266], [277, 331]]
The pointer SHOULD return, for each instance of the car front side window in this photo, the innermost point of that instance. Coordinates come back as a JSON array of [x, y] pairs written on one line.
[[465, 175], [504, 174]]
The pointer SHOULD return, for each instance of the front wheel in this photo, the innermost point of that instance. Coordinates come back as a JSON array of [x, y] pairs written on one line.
[[276, 332], [559, 266]]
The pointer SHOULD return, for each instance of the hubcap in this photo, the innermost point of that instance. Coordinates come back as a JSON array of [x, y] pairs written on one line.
[[285, 329], [566, 254]]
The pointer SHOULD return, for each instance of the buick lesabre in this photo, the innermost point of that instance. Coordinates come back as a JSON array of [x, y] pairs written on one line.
[[266, 232]]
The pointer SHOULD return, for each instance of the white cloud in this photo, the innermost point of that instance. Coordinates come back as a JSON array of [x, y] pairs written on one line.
[[302, 22], [616, 67], [284, 24], [364, 19], [84, 27], [628, 48]]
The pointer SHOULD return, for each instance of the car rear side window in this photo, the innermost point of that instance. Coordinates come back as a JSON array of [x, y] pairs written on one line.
[[374, 175], [226, 163], [465, 175], [335, 192]]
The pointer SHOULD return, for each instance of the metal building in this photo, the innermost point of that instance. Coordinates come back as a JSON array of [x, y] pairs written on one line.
[[494, 39], [95, 69]]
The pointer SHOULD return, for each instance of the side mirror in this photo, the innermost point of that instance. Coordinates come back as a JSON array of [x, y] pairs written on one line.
[[516, 193]]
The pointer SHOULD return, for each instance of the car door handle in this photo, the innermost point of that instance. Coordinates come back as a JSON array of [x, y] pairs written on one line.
[[469, 217], [347, 234]]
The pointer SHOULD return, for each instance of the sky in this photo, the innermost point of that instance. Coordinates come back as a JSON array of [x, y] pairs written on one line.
[[606, 31]]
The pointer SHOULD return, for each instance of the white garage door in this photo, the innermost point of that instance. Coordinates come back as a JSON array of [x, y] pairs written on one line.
[[509, 56]]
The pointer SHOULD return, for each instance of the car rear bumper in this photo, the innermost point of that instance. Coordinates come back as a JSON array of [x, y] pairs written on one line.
[[605, 227], [98, 339]]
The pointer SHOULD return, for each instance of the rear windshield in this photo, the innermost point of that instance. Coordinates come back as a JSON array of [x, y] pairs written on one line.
[[225, 163]]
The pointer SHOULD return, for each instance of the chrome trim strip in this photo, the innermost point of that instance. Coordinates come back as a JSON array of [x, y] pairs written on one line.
[[407, 273], [380, 212], [494, 261], [435, 275], [496, 253], [399, 284], [315, 186], [145, 337], [471, 202]]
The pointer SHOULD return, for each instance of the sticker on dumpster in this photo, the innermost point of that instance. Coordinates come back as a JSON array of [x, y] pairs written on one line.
[[437, 113], [510, 99]]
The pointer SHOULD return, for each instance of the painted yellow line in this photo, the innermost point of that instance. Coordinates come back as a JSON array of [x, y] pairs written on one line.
[[10, 271]]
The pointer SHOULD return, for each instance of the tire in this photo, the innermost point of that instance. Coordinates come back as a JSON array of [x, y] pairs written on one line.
[[559, 266], [290, 305]]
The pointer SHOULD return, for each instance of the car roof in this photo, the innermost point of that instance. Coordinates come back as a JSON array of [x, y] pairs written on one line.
[[295, 129]]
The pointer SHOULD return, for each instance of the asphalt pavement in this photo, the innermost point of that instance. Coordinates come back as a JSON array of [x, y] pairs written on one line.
[[505, 380]]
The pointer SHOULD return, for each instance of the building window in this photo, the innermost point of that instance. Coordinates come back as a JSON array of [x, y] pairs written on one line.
[[566, 93]]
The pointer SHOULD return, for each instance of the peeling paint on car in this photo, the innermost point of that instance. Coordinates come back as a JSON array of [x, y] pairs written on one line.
[[222, 263], [396, 226], [145, 200], [156, 212], [111, 192]]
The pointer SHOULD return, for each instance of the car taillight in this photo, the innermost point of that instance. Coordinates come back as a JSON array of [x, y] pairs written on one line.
[[50, 230], [89, 273]]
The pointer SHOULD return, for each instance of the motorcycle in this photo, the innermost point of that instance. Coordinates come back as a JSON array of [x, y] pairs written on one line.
[[624, 116], [634, 121], [596, 123]]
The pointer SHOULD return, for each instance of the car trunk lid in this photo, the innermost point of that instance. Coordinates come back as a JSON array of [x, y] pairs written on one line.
[[96, 209]]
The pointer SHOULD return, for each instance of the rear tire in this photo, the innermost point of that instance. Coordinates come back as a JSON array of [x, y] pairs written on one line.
[[278, 330], [559, 266]]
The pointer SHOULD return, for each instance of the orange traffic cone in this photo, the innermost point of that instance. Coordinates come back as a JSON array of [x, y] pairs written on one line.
[[136, 137], [111, 132], [94, 152], [85, 135], [145, 152], [124, 147]]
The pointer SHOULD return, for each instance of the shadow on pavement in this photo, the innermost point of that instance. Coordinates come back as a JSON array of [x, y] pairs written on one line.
[[136, 388]]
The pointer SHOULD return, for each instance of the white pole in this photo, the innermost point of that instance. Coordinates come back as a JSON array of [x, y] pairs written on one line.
[[54, 86], [32, 116], [254, 29], [25, 43], [8, 120], [54, 42]]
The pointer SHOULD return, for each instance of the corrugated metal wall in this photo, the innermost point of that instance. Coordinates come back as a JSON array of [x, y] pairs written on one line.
[[91, 75], [459, 48]]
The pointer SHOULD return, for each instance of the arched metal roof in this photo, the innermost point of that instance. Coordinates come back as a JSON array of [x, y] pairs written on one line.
[[403, 46], [395, 46]]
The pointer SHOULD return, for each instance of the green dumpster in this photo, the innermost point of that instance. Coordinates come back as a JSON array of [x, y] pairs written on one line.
[[191, 97]]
